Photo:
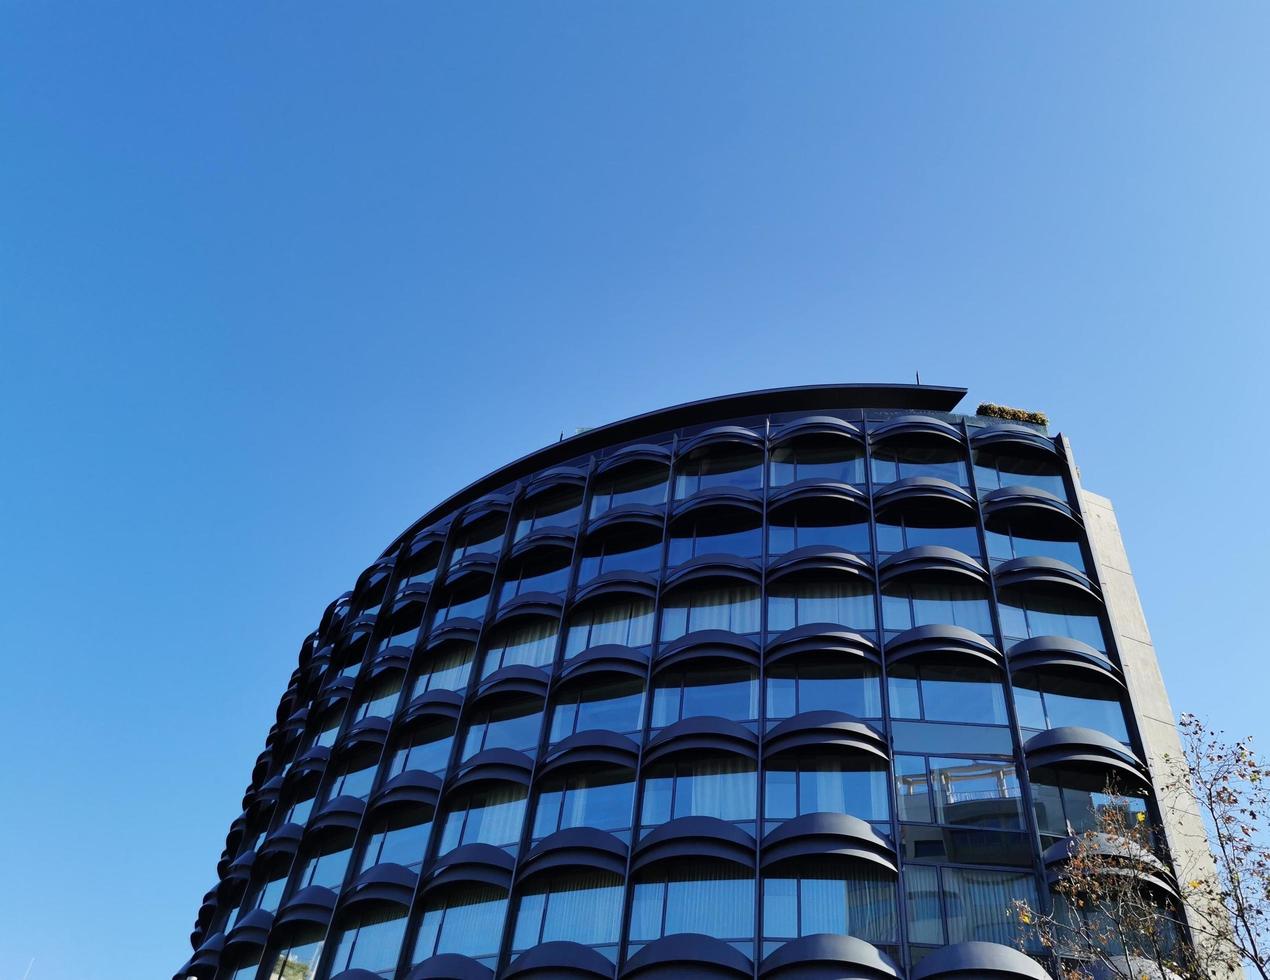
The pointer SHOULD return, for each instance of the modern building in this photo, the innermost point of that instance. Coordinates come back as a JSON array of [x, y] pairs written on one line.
[[802, 683]]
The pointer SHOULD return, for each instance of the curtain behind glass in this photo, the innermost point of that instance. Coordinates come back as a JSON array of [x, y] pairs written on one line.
[[722, 788], [981, 901], [586, 908], [711, 900], [472, 923], [532, 642], [731, 608], [821, 602]]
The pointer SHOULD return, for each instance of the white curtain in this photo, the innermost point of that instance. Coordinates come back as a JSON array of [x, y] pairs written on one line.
[[722, 788], [821, 602], [731, 608], [712, 900], [984, 900], [449, 669], [499, 820], [627, 622], [584, 908], [531, 642], [472, 923], [378, 941]]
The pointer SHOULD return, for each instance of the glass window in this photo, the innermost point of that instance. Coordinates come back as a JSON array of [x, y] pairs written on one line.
[[981, 793], [447, 669], [808, 899], [704, 897], [1054, 699], [371, 941], [817, 458], [467, 599], [601, 799], [922, 905], [633, 548], [724, 691], [543, 570], [937, 458], [491, 814], [1080, 800], [483, 537], [514, 725], [298, 960], [995, 469], [731, 606], [578, 906], [604, 705], [926, 603], [328, 728], [947, 692], [466, 920], [977, 904], [299, 811], [839, 783], [425, 750], [812, 522], [326, 865], [845, 602], [355, 780], [722, 531], [398, 838], [638, 483], [421, 567], [824, 684], [403, 631], [268, 894], [530, 641], [724, 787], [1026, 613], [625, 620], [553, 508], [1034, 539], [729, 465], [381, 700], [943, 527]]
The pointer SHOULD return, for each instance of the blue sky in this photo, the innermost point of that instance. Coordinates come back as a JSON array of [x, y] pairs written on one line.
[[274, 279]]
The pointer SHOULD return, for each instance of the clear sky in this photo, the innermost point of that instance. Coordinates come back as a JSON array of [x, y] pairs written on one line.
[[275, 278]]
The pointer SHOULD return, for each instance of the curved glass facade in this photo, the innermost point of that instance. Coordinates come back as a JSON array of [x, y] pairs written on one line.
[[782, 684]]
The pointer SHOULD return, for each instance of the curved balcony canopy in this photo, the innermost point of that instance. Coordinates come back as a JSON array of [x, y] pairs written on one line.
[[688, 956], [575, 847], [607, 658], [825, 730], [494, 765], [818, 559], [382, 884], [310, 906], [701, 734], [450, 966], [707, 645], [592, 750], [1044, 572], [828, 837], [559, 961], [915, 426], [1063, 653], [943, 642], [1116, 855], [721, 435], [926, 490], [407, 789], [1082, 748], [821, 639], [695, 838], [481, 864], [931, 561], [978, 961], [816, 425], [1030, 502], [826, 956]]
